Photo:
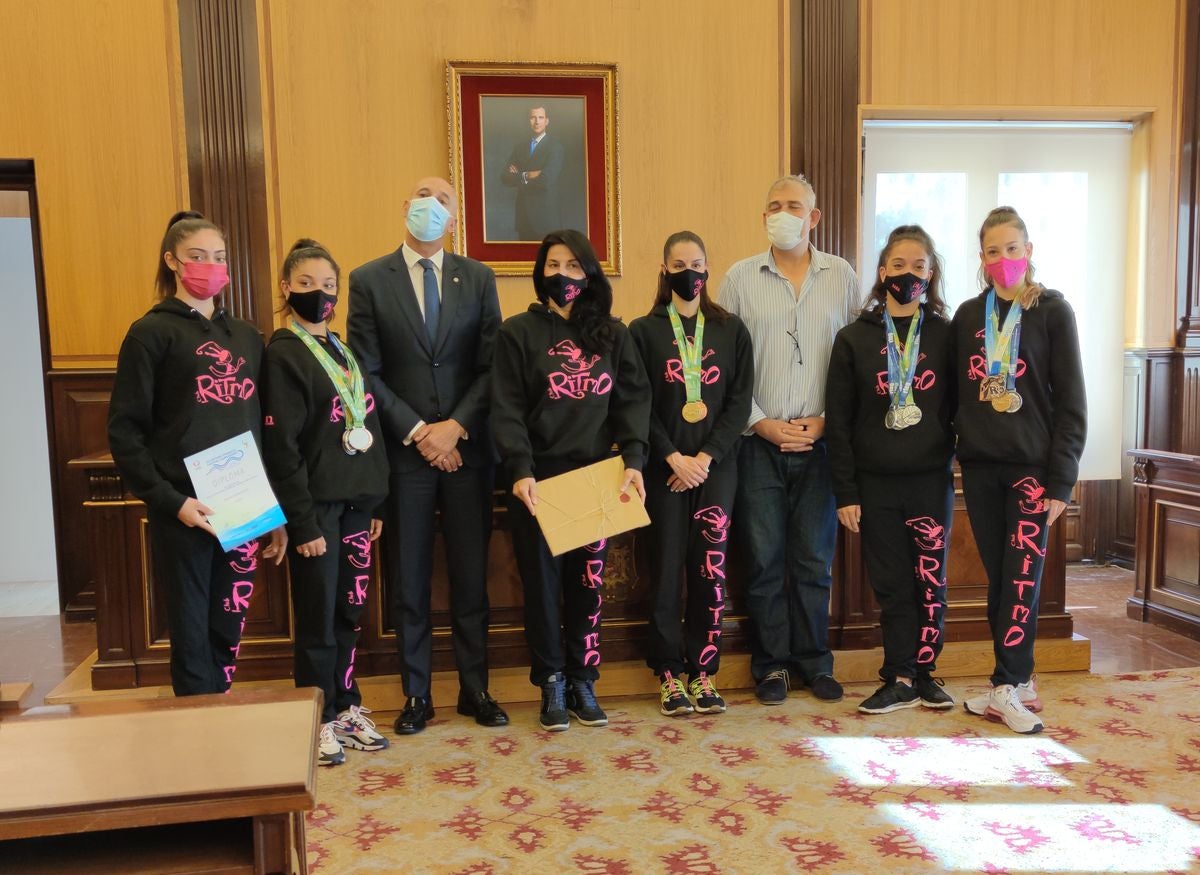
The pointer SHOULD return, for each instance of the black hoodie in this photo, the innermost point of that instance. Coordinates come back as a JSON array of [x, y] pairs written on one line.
[[183, 383], [727, 384], [302, 438], [555, 407], [857, 400], [1050, 428]]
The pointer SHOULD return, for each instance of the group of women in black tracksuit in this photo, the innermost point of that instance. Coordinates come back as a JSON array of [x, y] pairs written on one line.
[[672, 394], [1000, 386]]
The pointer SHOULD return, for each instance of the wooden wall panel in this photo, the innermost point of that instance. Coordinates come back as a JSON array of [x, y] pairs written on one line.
[[1073, 55], [360, 119], [90, 94], [824, 123]]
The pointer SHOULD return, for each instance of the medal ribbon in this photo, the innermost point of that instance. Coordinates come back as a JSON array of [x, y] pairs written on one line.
[[902, 364], [1001, 345], [349, 383], [690, 354]]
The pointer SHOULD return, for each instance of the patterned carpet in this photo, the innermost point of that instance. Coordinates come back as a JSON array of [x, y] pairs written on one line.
[[1112, 785]]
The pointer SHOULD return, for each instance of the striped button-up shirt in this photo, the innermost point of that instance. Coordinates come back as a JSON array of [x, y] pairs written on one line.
[[793, 335]]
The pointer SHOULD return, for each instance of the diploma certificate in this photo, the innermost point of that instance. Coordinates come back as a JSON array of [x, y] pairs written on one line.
[[229, 477]]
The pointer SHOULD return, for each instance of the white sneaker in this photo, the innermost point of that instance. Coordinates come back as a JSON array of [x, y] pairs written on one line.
[[1026, 692], [355, 730], [1005, 704], [329, 749]]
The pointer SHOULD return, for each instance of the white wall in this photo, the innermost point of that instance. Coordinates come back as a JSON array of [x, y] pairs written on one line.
[[26, 515]]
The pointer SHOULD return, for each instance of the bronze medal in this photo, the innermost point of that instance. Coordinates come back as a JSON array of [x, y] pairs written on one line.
[[694, 411], [992, 387]]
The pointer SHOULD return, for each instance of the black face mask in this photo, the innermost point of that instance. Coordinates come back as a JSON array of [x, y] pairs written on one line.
[[316, 306], [687, 283], [905, 287], [562, 289]]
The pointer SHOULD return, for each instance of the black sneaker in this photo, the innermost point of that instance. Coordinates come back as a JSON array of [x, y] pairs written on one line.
[[773, 689], [892, 696], [673, 700], [825, 688], [554, 709], [708, 700], [582, 704], [932, 695]]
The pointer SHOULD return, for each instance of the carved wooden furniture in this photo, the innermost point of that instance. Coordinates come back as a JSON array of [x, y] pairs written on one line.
[[131, 628], [1167, 582]]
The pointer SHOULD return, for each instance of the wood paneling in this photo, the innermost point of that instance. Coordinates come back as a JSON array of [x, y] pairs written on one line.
[[89, 95], [360, 119], [824, 122], [1076, 55], [222, 106], [78, 411], [1167, 583]]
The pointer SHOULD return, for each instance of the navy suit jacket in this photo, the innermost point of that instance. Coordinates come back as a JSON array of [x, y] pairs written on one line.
[[413, 379]]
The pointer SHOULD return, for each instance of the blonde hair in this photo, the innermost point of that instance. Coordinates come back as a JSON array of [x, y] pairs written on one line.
[[1031, 290]]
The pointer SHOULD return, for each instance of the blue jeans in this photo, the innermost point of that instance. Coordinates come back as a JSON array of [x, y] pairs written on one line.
[[788, 524]]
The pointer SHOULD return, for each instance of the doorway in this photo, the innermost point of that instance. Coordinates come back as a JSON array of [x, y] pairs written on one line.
[[28, 558]]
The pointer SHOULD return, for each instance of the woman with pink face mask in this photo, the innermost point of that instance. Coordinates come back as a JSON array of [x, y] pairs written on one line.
[[1021, 423], [186, 379]]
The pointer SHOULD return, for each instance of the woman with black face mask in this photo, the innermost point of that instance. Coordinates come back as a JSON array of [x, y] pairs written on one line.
[[567, 385], [889, 401], [325, 456], [700, 362]]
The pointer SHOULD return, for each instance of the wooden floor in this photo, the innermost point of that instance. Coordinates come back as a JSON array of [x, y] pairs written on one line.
[[44, 650]]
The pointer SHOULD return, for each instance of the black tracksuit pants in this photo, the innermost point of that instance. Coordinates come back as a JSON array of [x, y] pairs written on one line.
[[905, 530], [207, 593], [328, 595], [575, 577], [1008, 510], [688, 537]]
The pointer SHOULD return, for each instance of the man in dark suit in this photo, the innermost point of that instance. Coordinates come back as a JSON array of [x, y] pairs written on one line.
[[533, 168], [423, 322]]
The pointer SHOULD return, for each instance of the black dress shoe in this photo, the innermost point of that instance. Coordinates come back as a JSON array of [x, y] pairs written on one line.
[[825, 688], [417, 711], [481, 706], [773, 689]]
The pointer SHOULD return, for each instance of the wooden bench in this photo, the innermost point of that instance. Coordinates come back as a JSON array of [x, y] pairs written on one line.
[[197, 784]]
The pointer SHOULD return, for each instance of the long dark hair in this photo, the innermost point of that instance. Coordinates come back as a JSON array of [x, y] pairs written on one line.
[[934, 302], [592, 311], [183, 224], [712, 311]]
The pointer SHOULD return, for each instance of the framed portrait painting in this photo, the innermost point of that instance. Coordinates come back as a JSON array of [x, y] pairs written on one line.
[[533, 149]]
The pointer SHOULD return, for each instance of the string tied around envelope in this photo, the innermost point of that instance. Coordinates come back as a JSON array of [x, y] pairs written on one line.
[[609, 503]]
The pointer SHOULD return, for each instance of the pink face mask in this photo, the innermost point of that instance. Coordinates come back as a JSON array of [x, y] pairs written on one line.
[[202, 279], [1007, 272]]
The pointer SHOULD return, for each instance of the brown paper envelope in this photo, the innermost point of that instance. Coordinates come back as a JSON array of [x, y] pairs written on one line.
[[585, 505]]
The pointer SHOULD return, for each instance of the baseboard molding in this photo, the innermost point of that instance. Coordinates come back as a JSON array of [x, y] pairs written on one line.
[[630, 678]]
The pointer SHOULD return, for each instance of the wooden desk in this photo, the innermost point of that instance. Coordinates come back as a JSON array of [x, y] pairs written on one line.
[[246, 759]]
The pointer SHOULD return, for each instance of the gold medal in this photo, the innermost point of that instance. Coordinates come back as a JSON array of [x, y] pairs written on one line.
[[694, 411], [1001, 403]]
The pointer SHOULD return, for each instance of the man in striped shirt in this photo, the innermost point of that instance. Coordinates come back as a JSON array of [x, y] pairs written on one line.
[[793, 299]]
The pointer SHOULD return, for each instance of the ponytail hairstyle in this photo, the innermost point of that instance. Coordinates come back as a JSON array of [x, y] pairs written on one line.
[[1029, 294], [179, 227], [592, 311], [712, 311], [302, 250], [935, 304]]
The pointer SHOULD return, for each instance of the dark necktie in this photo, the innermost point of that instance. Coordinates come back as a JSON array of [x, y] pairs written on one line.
[[433, 304]]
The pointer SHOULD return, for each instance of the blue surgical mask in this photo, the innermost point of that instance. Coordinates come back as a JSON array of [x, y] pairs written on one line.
[[427, 219]]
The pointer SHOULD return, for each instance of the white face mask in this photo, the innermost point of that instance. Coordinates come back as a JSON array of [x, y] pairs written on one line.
[[784, 230]]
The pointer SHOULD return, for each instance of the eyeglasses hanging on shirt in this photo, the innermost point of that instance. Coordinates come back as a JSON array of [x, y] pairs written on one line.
[[795, 336]]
